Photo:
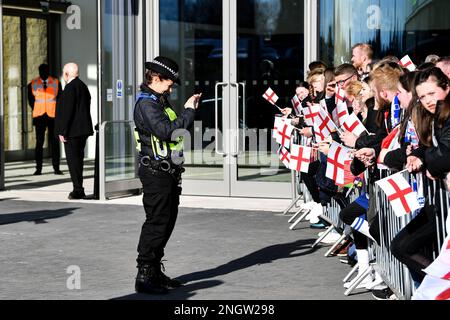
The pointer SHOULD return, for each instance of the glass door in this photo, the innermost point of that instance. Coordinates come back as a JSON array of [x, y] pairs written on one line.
[[232, 51], [268, 52], [194, 34]]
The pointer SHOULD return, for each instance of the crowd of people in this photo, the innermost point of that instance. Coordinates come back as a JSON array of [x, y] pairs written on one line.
[[405, 110]]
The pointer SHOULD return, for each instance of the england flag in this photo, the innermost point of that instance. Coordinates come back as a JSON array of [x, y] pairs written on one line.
[[297, 105], [300, 158], [271, 96], [400, 194], [337, 157], [407, 63], [354, 125]]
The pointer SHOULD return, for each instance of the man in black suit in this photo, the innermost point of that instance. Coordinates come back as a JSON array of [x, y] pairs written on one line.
[[74, 125]]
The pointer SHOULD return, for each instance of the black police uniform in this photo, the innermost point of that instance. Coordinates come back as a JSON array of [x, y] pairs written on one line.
[[161, 180]]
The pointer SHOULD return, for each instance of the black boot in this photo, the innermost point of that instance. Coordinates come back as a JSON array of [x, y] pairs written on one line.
[[168, 282], [148, 280]]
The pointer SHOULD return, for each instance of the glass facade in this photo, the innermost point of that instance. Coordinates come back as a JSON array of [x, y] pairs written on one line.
[[397, 27], [118, 88]]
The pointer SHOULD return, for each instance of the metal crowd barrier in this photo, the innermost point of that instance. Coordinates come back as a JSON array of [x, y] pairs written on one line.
[[395, 274]]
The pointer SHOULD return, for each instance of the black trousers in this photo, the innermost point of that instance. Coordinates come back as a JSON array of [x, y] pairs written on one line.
[[161, 199], [75, 161], [412, 246], [41, 124], [348, 216]]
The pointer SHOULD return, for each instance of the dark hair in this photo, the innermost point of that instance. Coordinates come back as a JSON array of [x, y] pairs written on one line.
[[426, 65], [317, 65], [302, 84], [345, 68], [149, 75], [407, 82], [443, 112], [425, 125]]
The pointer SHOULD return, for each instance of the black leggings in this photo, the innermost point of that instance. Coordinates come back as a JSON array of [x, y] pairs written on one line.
[[412, 245], [348, 216], [309, 179]]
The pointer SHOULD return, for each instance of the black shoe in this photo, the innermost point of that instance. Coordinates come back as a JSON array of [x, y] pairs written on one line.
[[58, 172], [76, 195], [168, 282], [384, 294], [37, 173], [149, 281]]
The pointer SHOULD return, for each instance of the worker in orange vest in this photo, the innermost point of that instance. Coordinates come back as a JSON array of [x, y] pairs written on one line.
[[42, 96]]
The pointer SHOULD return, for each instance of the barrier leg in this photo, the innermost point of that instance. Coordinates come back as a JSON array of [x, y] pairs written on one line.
[[292, 227], [330, 228], [328, 253], [295, 216], [351, 273], [358, 280], [293, 203]]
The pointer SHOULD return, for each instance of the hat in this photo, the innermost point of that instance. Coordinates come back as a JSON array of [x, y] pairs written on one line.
[[166, 67]]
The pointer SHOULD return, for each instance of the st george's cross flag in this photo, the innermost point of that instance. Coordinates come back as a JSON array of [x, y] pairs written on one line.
[[337, 157], [279, 121], [354, 125], [297, 105], [340, 113], [271, 96], [400, 194], [285, 134], [300, 158], [310, 113], [407, 63], [440, 268], [324, 123], [432, 288], [319, 137], [339, 94], [285, 156]]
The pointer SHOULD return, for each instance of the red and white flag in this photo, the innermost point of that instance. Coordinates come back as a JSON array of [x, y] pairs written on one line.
[[279, 121], [433, 288], [285, 156], [400, 194], [407, 63], [310, 113], [337, 157], [354, 125], [390, 143], [440, 268], [324, 123], [317, 134], [340, 95], [340, 113], [297, 105], [300, 158], [271, 96], [285, 134]]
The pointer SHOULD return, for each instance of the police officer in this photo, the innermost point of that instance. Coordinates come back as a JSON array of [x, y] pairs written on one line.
[[160, 158]]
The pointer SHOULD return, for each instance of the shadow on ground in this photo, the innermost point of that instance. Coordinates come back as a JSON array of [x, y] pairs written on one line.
[[262, 256], [37, 217]]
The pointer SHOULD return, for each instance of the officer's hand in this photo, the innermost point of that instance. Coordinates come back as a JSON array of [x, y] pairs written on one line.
[[193, 101]]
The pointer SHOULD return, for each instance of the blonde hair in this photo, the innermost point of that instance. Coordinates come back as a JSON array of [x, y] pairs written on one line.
[[354, 88], [386, 78], [365, 48]]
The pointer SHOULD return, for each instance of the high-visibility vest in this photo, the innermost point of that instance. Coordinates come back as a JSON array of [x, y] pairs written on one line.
[[45, 99], [160, 148]]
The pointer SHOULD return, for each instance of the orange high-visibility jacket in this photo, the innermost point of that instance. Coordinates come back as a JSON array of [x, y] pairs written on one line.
[[45, 100]]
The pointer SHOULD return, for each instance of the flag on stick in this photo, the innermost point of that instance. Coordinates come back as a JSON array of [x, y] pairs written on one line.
[[300, 158], [285, 156], [400, 194], [407, 63], [354, 125], [337, 156], [297, 105]]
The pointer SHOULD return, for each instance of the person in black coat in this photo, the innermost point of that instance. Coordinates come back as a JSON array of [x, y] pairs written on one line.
[[73, 125], [161, 166]]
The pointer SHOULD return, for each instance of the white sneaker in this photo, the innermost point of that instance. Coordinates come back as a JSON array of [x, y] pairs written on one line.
[[316, 212], [377, 283], [331, 238]]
